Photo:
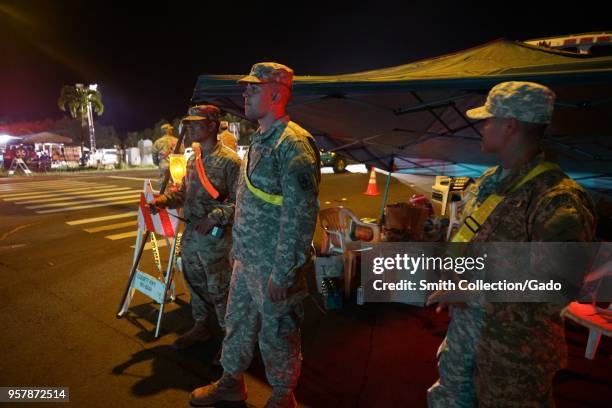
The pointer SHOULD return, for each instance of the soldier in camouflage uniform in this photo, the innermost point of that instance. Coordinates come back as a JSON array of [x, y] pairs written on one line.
[[226, 137], [506, 354], [163, 148], [276, 214], [208, 196]]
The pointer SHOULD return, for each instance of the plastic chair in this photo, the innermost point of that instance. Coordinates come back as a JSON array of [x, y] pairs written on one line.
[[596, 319], [338, 223]]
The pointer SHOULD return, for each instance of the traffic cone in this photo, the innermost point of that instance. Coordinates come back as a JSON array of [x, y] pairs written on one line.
[[372, 189]]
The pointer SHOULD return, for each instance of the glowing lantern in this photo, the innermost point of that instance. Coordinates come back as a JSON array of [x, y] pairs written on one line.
[[178, 167]]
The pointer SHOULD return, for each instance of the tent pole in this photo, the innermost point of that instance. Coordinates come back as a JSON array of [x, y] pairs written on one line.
[[385, 196]]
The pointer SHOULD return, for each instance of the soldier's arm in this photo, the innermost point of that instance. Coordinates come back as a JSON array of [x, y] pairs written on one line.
[[300, 189], [223, 213], [562, 215], [172, 199]]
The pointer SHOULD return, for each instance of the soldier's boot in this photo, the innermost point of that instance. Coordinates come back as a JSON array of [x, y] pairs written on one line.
[[198, 333], [227, 388], [281, 398]]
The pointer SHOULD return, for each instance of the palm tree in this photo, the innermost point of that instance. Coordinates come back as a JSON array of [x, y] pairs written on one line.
[[81, 103]]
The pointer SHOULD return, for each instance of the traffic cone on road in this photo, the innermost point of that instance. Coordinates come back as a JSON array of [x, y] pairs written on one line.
[[372, 189]]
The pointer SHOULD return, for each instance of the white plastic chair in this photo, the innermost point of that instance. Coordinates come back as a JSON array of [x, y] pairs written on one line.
[[336, 223], [596, 319]]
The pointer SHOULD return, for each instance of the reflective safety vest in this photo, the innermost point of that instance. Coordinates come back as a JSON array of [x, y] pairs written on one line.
[[262, 195], [276, 199], [208, 186], [476, 219]]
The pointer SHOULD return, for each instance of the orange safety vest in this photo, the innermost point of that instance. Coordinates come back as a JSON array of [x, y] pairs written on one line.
[[208, 186]]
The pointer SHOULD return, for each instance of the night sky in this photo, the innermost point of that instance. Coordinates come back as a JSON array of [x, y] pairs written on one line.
[[146, 56]]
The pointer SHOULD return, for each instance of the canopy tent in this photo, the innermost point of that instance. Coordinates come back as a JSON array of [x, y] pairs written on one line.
[[45, 137], [410, 118]]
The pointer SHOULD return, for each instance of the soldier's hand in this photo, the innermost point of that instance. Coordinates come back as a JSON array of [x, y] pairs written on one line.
[[204, 225], [276, 293], [441, 297], [153, 207]]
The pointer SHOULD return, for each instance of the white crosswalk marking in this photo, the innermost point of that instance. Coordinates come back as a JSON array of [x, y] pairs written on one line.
[[43, 186], [8, 197], [67, 201], [49, 198], [57, 196], [111, 227], [105, 218], [120, 227], [82, 207], [123, 235], [130, 228], [71, 201], [54, 196], [128, 178]]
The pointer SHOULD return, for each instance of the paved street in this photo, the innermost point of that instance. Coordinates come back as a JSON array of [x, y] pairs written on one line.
[[66, 243]]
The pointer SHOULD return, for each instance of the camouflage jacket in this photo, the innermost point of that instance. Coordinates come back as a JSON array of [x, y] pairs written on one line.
[[228, 139], [277, 238], [162, 149], [221, 166], [549, 208]]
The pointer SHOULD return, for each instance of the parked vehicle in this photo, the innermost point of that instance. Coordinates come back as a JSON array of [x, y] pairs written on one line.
[[334, 160]]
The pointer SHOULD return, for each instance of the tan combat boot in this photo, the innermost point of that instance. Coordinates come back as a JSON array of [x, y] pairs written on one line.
[[198, 333], [281, 398], [227, 388]]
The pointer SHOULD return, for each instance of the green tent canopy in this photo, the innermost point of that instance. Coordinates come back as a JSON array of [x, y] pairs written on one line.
[[411, 118]]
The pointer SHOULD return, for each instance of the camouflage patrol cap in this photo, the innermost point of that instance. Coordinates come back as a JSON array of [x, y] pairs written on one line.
[[203, 112], [266, 72], [524, 101]]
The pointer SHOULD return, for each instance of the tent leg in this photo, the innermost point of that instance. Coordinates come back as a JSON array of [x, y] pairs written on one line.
[[385, 197]]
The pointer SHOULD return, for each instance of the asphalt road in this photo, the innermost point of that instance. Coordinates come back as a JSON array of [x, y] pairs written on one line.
[[65, 252]]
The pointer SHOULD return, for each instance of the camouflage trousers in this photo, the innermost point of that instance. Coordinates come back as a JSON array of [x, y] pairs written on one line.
[[456, 361], [516, 364], [207, 270], [252, 316]]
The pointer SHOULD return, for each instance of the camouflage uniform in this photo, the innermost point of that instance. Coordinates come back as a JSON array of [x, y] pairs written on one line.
[[272, 241], [506, 354], [228, 139], [205, 258], [162, 149]]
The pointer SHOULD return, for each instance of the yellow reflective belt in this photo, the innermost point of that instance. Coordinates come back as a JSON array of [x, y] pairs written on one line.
[[262, 195], [472, 222]]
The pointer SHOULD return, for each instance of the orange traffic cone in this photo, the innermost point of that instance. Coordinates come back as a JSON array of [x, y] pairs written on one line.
[[372, 189]]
